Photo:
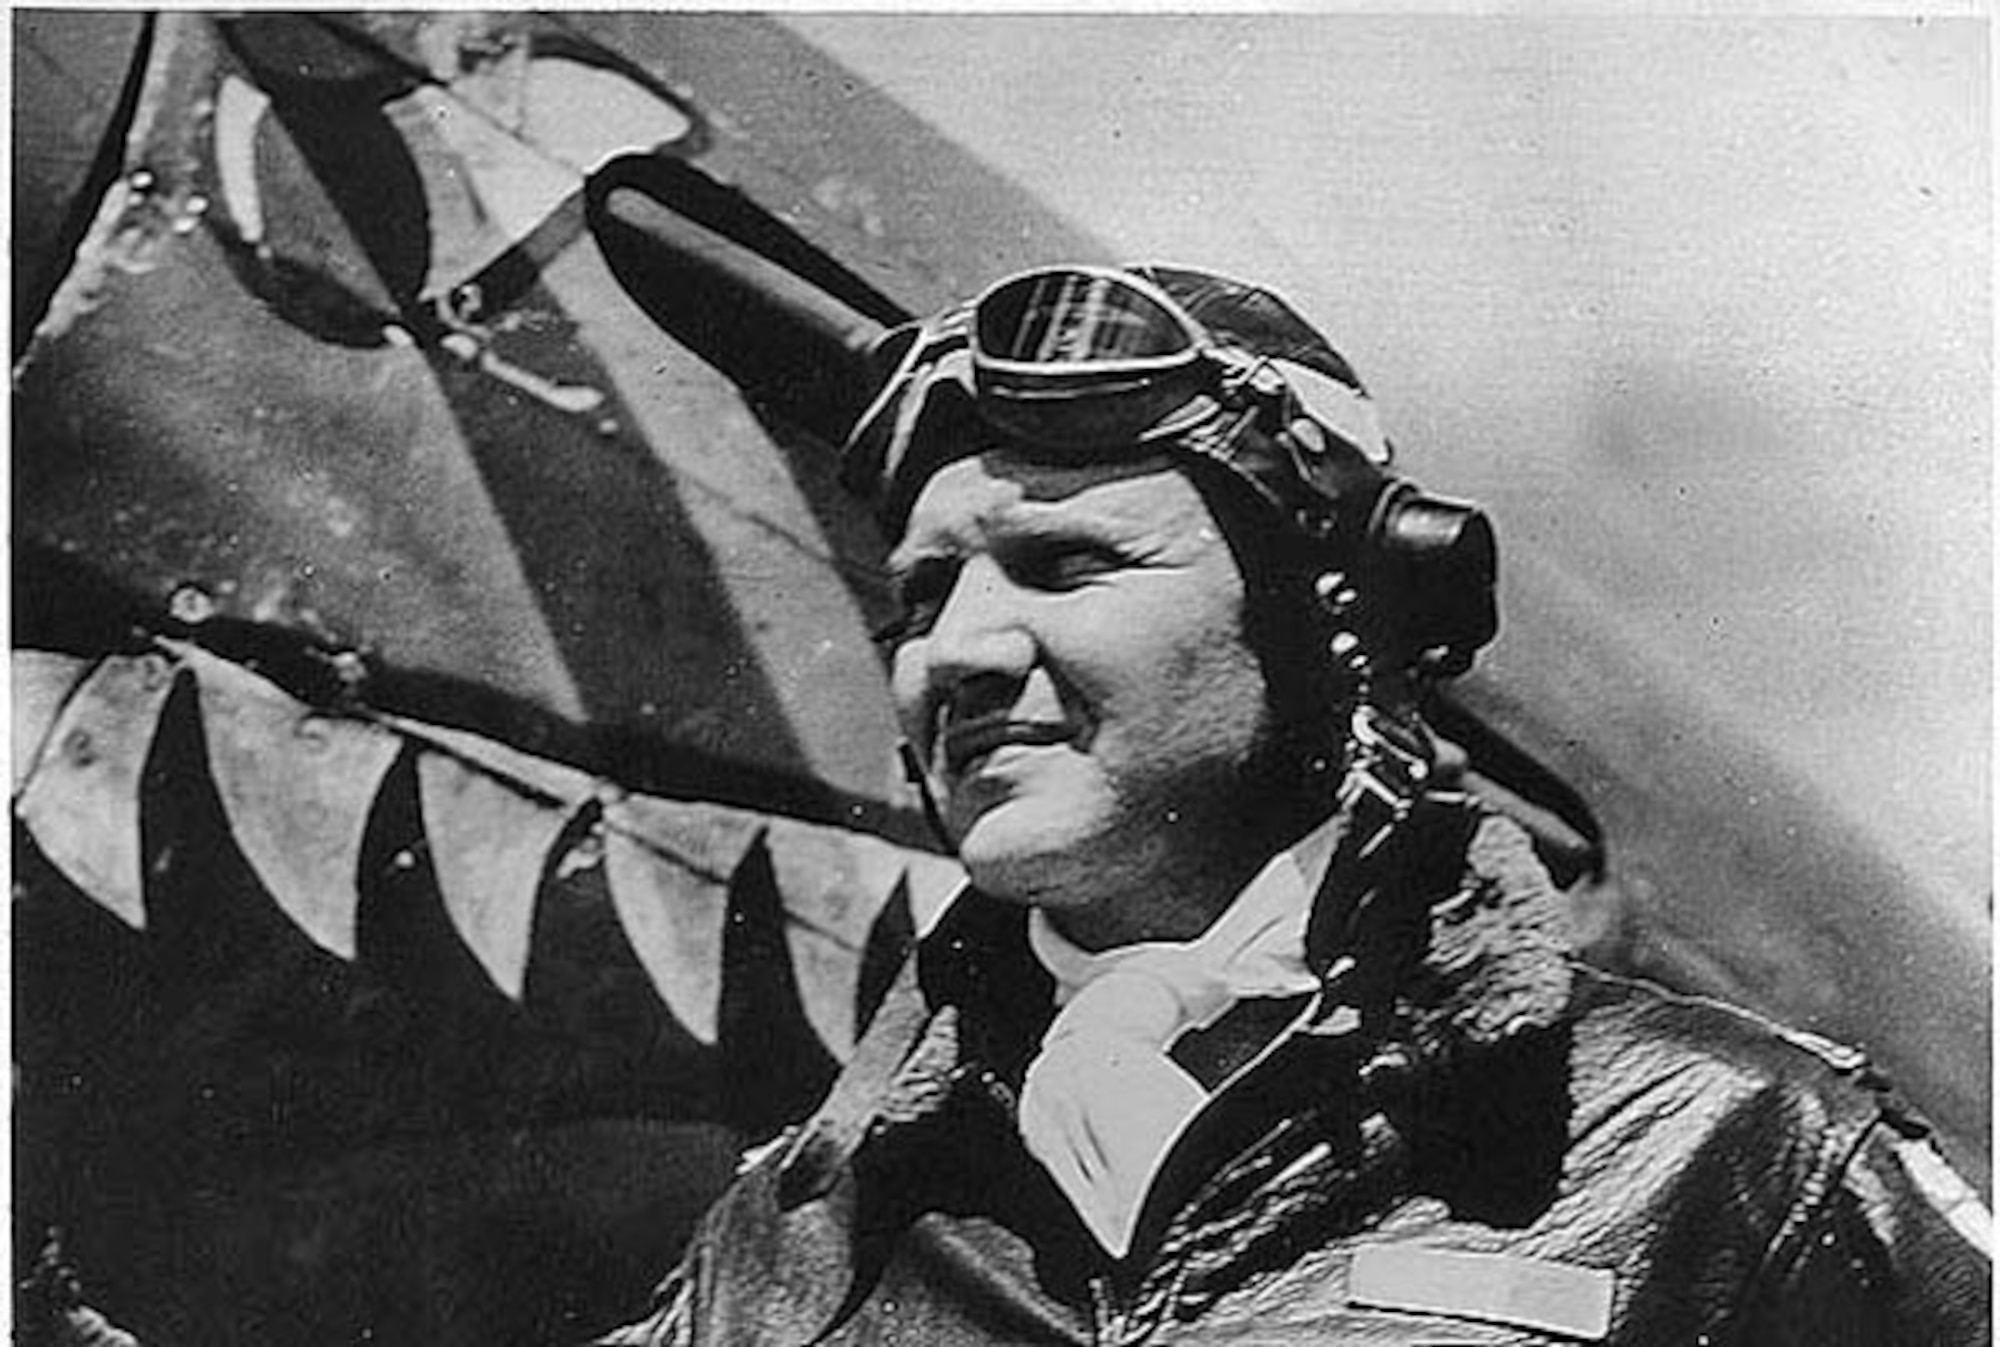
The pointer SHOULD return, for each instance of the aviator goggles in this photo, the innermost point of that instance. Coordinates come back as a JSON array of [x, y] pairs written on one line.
[[1083, 358], [1089, 361]]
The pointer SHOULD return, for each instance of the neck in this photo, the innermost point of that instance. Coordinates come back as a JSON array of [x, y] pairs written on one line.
[[1175, 899], [1173, 911]]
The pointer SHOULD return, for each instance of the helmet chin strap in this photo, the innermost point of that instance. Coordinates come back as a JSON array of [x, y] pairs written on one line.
[[1399, 855]]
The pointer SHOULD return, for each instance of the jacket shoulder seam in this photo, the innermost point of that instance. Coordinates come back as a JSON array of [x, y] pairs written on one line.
[[1843, 1060]]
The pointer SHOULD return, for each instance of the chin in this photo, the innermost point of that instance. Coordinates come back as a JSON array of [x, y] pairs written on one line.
[[1020, 853]]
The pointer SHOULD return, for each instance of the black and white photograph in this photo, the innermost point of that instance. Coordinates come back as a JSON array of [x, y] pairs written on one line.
[[816, 676]]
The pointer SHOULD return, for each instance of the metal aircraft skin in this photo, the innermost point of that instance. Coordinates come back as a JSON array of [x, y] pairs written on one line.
[[454, 790]]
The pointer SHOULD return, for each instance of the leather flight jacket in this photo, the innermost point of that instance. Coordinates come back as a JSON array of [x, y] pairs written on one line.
[[1537, 1152]]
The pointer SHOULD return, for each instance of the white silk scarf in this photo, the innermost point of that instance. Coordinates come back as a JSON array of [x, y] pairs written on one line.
[[1103, 1102]]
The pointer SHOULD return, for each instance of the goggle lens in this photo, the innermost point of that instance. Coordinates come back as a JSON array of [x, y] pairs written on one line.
[[1081, 359], [1073, 320]]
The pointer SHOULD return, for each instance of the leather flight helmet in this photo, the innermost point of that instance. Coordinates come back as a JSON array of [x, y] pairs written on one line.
[[1081, 363]]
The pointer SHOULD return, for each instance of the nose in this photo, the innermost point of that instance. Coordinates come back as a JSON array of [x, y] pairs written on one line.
[[978, 632], [972, 659]]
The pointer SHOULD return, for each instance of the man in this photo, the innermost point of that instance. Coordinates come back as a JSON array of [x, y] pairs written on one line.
[[1251, 1028]]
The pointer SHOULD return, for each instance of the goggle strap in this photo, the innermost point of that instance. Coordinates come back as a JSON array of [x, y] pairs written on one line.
[[906, 390]]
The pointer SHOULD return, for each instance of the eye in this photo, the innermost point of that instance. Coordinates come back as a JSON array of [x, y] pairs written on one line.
[[1063, 564], [920, 593]]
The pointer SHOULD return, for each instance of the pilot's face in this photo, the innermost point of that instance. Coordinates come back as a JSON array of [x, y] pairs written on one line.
[[1075, 679]]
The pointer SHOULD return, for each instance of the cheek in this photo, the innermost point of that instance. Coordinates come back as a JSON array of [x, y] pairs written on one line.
[[1218, 694], [1200, 637], [1186, 674]]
